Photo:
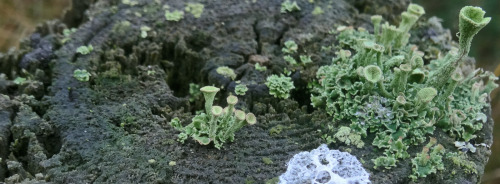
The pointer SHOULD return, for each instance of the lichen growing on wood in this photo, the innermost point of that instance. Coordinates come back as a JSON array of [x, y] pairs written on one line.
[[216, 125], [280, 86], [386, 88], [121, 115]]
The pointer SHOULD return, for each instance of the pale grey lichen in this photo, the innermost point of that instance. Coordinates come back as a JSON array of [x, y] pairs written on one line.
[[324, 166]]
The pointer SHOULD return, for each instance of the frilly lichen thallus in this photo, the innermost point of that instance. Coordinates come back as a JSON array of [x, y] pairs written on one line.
[[387, 89]]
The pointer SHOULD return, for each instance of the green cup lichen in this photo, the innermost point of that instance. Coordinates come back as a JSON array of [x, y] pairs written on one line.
[[209, 93], [251, 119], [372, 73], [217, 124], [471, 21], [411, 99], [376, 20]]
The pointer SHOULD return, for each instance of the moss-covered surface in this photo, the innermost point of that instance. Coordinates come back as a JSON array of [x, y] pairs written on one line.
[[114, 128]]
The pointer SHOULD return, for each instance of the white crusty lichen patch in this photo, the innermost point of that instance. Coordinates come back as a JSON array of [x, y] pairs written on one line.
[[324, 166]]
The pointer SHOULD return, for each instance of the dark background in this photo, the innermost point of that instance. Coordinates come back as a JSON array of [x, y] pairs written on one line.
[[18, 18]]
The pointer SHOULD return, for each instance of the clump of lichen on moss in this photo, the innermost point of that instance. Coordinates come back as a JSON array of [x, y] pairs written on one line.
[[217, 124], [290, 47], [67, 34], [195, 8], [174, 15], [226, 72], [280, 86], [240, 89], [347, 136], [289, 6], [144, 31], [258, 67], [429, 161], [387, 89], [84, 50], [460, 159], [267, 160], [81, 75]]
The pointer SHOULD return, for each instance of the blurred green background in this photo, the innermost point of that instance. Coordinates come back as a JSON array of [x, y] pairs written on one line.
[[18, 18]]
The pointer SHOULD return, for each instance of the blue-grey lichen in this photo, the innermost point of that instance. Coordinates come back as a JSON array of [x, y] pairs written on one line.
[[465, 146], [385, 88], [323, 165]]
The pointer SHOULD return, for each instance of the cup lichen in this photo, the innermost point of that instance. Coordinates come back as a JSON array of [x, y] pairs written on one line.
[[411, 99], [217, 124]]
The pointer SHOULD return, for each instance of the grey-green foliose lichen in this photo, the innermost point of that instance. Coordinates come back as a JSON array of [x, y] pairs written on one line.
[[387, 89]]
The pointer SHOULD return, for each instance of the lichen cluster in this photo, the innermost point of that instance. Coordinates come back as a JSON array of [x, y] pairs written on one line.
[[174, 15], [226, 72], [289, 6], [84, 50], [81, 75], [289, 50], [216, 125], [379, 83], [240, 89], [429, 161], [279, 86]]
